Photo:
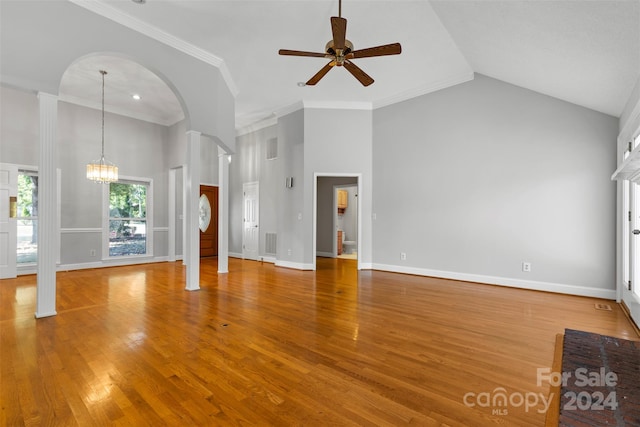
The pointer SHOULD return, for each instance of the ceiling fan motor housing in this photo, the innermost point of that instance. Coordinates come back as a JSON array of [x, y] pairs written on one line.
[[329, 48]]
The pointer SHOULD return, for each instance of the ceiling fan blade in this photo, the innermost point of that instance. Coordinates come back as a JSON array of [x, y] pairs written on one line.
[[362, 77], [302, 53], [320, 74], [339, 30], [387, 49]]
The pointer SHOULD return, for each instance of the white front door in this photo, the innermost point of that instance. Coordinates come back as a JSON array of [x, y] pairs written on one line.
[[8, 225], [251, 230]]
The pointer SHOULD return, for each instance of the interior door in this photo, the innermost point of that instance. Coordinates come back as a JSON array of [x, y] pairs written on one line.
[[251, 231], [208, 221], [8, 224]]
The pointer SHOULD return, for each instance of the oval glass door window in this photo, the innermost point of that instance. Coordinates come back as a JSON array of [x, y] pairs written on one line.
[[205, 213]]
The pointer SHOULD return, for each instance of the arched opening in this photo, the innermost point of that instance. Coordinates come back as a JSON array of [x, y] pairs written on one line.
[[147, 136]]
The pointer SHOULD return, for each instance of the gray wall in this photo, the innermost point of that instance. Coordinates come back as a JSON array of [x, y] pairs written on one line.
[[477, 178], [345, 151], [250, 164], [304, 148], [292, 218]]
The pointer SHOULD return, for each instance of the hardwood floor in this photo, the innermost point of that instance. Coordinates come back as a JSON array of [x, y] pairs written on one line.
[[271, 346]]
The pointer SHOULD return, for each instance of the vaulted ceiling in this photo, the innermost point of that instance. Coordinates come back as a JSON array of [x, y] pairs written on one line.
[[584, 52]]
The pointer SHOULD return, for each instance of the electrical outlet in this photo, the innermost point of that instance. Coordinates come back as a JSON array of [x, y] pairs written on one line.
[[288, 251], [403, 256], [526, 267]]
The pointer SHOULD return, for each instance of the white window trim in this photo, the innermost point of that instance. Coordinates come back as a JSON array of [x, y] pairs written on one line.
[[105, 219]]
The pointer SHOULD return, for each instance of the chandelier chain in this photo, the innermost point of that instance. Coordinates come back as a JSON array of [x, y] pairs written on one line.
[[103, 73]]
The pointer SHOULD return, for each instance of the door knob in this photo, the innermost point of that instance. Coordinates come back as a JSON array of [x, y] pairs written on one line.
[[636, 232]]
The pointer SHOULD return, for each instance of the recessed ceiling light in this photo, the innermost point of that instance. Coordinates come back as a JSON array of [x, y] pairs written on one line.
[[136, 96]]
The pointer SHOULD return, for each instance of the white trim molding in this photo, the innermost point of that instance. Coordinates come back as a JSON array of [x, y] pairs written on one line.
[[502, 281], [80, 230], [294, 265], [256, 126]]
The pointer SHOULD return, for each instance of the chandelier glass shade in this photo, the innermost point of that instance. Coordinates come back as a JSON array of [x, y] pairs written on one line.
[[102, 170]]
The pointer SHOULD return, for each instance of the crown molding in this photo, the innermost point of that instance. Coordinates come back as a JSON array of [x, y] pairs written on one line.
[[254, 127], [169, 121], [109, 12], [356, 105], [338, 105], [288, 109]]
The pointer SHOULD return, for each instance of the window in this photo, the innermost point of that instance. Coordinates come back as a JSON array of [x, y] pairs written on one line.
[[27, 217], [129, 218]]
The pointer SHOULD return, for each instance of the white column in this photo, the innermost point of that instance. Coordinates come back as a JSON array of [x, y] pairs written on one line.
[[192, 196], [171, 199], [47, 207], [223, 211]]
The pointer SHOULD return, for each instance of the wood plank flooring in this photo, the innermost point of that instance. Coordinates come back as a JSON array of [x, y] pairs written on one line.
[[271, 346]]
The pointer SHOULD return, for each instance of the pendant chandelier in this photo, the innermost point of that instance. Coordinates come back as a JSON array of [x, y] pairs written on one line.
[[102, 171]]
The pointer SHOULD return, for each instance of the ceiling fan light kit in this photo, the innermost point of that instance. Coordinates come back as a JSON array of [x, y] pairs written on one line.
[[340, 52]]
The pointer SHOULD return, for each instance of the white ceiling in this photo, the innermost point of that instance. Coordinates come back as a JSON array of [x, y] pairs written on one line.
[[585, 52]]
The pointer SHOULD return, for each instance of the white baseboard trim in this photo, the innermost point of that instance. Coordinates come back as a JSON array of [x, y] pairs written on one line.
[[632, 301], [294, 265], [46, 314], [503, 281], [110, 263], [366, 266], [325, 254], [262, 258]]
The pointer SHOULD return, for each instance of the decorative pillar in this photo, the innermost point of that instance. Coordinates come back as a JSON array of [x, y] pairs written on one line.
[[171, 199], [223, 211], [47, 207], [192, 197]]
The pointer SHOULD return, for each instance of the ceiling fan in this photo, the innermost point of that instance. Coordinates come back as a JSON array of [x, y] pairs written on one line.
[[340, 51]]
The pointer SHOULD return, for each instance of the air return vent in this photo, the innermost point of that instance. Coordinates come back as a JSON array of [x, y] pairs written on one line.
[[270, 242], [272, 148], [601, 306]]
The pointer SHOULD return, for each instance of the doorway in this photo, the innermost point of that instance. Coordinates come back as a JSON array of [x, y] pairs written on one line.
[[250, 223], [208, 223], [336, 225], [345, 220]]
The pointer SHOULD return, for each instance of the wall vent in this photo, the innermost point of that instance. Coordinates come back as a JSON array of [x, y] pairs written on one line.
[[272, 148], [270, 243], [605, 307]]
